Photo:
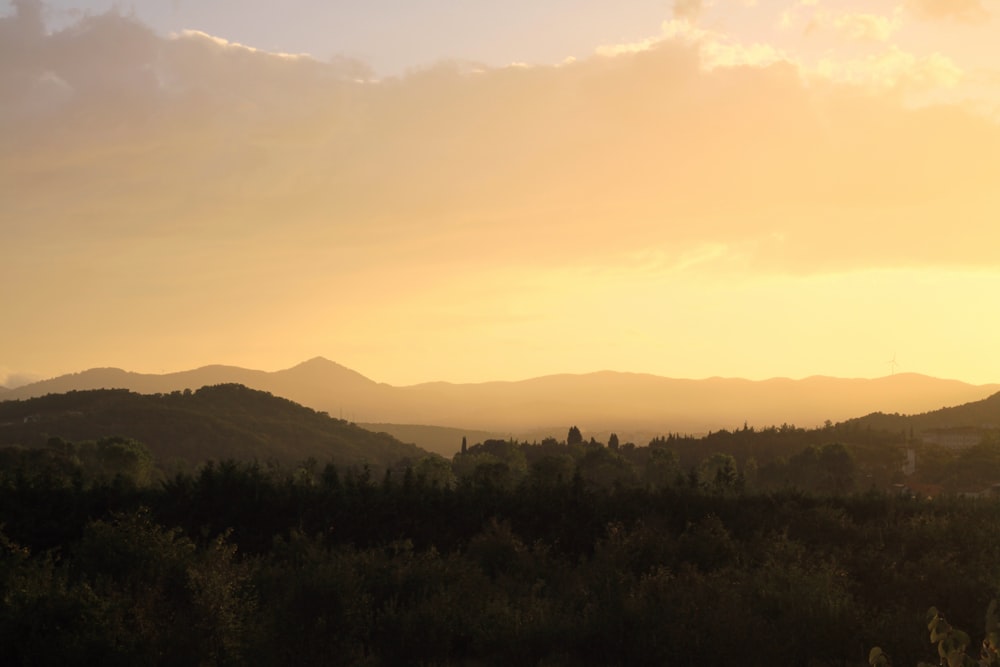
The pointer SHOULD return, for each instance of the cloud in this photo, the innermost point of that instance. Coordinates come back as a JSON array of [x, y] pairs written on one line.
[[712, 49], [888, 68], [849, 26], [971, 11], [234, 46], [19, 34], [866, 27], [718, 53], [895, 69], [194, 194], [688, 10], [29, 14], [154, 153]]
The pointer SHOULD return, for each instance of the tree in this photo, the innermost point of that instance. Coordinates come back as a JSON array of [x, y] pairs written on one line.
[[552, 470], [605, 468], [613, 441], [662, 468], [574, 437], [826, 469], [117, 456], [719, 473]]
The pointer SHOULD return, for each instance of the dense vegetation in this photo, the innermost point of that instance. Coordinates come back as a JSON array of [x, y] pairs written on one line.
[[265, 564]]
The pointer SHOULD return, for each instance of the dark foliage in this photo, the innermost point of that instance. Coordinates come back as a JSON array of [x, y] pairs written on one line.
[[311, 565]]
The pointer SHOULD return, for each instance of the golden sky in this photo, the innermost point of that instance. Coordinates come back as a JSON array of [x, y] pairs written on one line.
[[749, 189]]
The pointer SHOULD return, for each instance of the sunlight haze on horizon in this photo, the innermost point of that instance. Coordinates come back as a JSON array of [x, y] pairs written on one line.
[[471, 192]]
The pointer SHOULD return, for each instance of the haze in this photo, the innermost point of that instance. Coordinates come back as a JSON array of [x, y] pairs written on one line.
[[749, 189]]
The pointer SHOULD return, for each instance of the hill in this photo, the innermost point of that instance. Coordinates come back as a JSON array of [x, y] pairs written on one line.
[[978, 415], [630, 404], [214, 422]]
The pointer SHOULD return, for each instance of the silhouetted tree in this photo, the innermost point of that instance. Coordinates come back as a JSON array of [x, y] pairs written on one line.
[[574, 437]]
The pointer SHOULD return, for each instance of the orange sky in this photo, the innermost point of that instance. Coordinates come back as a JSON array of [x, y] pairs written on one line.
[[697, 201]]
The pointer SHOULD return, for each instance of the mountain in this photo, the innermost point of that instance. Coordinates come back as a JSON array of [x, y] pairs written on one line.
[[596, 402], [215, 422], [610, 401], [318, 383]]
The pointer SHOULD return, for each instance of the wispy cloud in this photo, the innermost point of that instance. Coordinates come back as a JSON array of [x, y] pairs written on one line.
[[895, 69], [812, 19], [871, 27]]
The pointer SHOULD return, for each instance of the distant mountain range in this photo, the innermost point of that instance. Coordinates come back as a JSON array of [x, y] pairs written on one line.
[[216, 422], [596, 402]]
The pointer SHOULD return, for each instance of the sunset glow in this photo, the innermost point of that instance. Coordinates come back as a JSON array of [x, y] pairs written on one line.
[[740, 189]]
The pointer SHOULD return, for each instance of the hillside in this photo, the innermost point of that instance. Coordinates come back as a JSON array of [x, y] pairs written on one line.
[[214, 422], [982, 414]]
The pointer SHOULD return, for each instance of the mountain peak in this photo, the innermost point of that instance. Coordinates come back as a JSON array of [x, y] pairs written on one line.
[[322, 370], [320, 365], [316, 362]]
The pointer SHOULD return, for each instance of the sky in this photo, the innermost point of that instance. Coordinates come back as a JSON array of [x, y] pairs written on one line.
[[468, 191]]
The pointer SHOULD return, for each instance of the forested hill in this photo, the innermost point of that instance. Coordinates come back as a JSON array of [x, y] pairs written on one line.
[[215, 422], [983, 414]]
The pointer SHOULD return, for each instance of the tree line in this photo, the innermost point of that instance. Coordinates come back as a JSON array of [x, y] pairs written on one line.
[[555, 553]]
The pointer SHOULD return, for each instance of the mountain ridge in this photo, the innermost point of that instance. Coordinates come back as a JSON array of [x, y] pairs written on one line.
[[601, 401]]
